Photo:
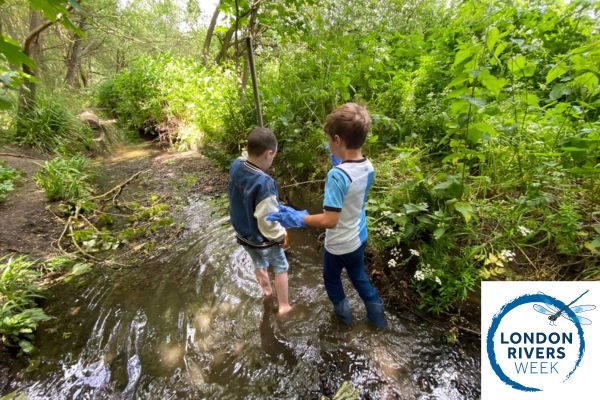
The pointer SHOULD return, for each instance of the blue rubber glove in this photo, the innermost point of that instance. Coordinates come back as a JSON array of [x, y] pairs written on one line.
[[288, 217], [334, 161]]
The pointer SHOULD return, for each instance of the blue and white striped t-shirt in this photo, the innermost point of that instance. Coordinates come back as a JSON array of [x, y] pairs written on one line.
[[346, 190]]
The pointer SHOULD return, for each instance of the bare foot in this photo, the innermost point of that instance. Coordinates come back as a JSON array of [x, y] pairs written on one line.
[[283, 310]]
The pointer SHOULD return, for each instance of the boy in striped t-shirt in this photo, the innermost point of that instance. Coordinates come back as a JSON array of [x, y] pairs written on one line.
[[343, 217]]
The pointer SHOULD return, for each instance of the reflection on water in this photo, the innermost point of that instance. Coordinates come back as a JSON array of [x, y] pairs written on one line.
[[194, 325]]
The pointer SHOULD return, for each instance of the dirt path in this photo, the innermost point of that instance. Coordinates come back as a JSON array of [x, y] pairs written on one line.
[[28, 227]]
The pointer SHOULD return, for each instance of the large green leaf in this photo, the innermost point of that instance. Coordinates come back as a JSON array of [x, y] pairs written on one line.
[[465, 209], [13, 52], [491, 83], [492, 37], [555, 72]]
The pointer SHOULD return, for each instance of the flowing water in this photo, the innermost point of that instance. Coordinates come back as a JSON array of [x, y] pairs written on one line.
[[192, 325]]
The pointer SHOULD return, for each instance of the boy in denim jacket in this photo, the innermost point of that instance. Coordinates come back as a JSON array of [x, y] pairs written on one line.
[[252, 196], [343, 217]]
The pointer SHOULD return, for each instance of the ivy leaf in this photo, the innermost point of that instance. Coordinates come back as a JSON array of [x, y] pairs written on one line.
[[555, 72]]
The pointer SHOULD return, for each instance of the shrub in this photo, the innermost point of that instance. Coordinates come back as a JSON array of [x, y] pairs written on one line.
[[19, 316], [51, 126]]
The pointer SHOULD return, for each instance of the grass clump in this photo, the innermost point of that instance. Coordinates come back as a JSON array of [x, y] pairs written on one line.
[[65, 178]]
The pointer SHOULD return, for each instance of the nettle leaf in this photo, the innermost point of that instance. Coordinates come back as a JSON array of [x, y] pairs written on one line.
[[477, 102], [492, 37], [588, 80], [491, 83], [481, 130], [465, 209], [559, 91], [555, 72], [459, 107], [465, 55], [500, 49], [520, 67], [531, 100]]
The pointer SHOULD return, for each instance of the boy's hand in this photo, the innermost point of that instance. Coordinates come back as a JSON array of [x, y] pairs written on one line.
[[286, 241], [288, 217], [334, 161]]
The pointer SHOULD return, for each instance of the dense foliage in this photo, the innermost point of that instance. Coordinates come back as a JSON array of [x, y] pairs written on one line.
[[486, 133]]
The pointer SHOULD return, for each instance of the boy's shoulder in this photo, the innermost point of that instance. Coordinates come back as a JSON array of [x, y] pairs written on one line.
[[352, 169]]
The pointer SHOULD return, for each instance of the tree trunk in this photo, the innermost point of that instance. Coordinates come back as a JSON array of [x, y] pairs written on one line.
[[209, 33], [225, 45], [32, 48], [73, 63]]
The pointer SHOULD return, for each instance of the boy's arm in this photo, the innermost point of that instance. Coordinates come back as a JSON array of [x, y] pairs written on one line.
[[271, 230], [327, 219]]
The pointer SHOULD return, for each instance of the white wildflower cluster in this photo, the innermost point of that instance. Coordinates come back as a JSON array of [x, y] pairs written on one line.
[[414, 252], [425, 272], [386, 213], [524, 231], [507, 255], [396, 252], [387, 230], [438, 280], [392, 263]]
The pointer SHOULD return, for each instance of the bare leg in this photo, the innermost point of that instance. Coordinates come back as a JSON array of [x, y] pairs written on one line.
[[281, 287], [263, 280]]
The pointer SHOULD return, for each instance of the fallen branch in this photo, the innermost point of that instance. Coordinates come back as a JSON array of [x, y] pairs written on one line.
[[18, 155], [119, 187], [303, 183]]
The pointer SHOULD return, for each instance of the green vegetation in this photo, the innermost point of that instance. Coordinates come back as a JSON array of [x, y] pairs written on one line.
[[485, 135], [20, 290], [65, 178], [8, 177], [51, 126], [19, 315]]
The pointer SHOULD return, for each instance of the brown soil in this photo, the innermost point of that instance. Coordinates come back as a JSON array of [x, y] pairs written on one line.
[[27, 225]]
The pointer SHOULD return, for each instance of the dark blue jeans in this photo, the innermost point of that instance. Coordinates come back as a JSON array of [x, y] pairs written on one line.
[[354, 263]]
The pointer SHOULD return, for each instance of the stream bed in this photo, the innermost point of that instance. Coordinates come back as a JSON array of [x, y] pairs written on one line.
[[192, 324]]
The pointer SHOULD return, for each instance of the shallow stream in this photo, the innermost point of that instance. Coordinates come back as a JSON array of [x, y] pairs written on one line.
[[192, 325]]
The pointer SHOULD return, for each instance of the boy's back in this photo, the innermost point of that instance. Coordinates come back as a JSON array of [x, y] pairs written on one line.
[[346, 191]]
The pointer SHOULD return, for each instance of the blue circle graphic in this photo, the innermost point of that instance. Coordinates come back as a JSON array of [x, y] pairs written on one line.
[[511, 305]]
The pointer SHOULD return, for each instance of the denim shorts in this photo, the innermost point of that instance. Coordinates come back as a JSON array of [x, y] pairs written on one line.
[[272, 255]]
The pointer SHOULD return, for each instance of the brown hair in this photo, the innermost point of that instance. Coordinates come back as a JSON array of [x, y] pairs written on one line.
[[261, 140], [350, 122]]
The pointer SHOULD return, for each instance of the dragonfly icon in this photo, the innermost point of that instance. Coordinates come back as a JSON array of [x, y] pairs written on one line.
[[554, 312]]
